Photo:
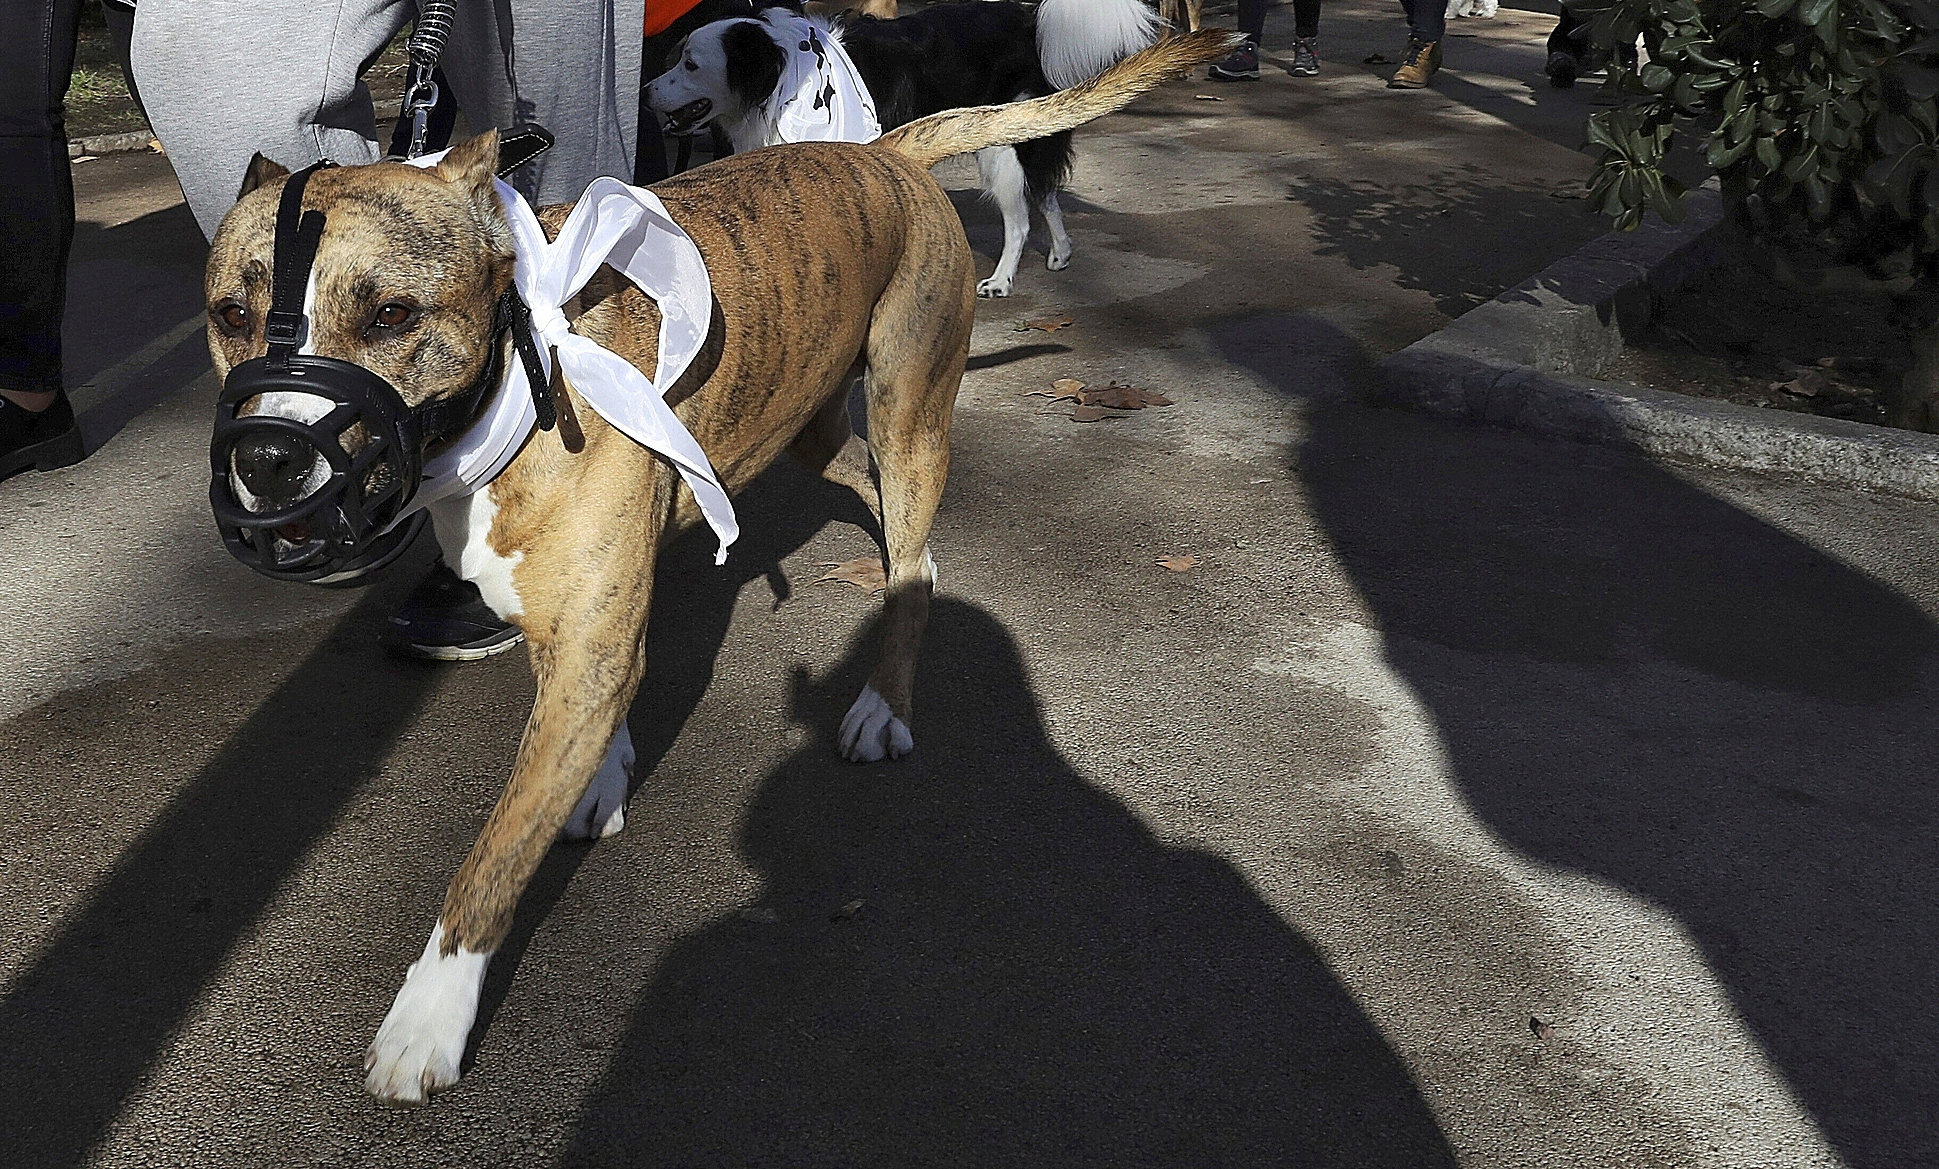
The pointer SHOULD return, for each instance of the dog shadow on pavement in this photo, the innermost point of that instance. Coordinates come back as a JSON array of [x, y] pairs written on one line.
[[976, 957], [1640, 681]]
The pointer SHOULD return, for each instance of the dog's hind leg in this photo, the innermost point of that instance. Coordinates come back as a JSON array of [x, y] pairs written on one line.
[[917, 351], [1004, 179], [1060, 245]]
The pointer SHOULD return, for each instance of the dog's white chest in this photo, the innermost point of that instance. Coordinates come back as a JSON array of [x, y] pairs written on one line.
[[463, 526]]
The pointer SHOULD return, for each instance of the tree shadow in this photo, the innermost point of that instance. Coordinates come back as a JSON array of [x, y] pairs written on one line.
[[1637, 680], [976, 957], [84, 1021], [1460, 239]]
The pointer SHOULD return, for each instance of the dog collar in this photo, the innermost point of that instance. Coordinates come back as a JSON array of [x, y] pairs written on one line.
[[821, 97], [629, 229]]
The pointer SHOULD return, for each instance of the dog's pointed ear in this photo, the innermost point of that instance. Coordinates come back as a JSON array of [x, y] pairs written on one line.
[[262, 171], [472, 163]]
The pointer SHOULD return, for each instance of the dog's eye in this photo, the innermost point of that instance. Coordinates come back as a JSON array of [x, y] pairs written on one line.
[[692, 67], [232, 317], [392, 316]]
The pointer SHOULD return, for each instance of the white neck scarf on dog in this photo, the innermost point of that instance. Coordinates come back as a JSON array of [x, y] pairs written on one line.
[[628, 228], [821, 98]]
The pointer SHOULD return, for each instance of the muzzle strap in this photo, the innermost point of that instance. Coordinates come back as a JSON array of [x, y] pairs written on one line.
[[297, 235]]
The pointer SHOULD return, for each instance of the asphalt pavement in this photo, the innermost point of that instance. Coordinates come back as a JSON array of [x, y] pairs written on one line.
[[1474, 799]]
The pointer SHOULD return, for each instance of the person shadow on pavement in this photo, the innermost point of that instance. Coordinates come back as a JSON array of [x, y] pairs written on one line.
[[1638, 680], [976, 957]]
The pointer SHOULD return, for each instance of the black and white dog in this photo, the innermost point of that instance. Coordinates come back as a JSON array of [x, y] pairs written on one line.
[[948, 55]]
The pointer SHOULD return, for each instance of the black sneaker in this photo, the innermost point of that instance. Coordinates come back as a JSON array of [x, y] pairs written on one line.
[[43, 441], [1242, 65], [445, 620], [1562, 69]]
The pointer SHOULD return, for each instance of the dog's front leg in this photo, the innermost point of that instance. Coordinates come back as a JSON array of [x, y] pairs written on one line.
[[587, 654]]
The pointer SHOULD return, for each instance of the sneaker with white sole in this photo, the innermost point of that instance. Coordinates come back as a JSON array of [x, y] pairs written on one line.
[[1306, 57], [1242, 65]]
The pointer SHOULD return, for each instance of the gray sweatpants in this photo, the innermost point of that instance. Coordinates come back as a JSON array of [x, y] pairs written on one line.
[[223, 79]]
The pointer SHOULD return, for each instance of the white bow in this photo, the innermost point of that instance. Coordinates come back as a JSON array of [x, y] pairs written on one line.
[[628, 228]]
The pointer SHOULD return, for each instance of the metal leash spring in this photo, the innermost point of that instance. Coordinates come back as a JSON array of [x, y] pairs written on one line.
[[428, 36]]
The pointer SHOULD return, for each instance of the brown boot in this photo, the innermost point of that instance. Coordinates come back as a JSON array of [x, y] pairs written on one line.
[[1422, 60]]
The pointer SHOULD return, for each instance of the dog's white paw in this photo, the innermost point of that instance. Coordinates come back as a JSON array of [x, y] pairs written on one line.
[[994, 287], [871, 730], [602, 810], [1057, 261], [422, 1040]]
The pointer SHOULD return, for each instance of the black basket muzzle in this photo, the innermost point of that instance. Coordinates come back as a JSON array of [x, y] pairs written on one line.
[[339, 529]]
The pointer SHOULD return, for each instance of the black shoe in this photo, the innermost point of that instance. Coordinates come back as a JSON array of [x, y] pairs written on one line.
[[445, 620], [1561, 69], [1242, 65], [42, 441]]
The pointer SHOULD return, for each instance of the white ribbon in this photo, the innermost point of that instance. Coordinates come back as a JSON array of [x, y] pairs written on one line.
[[628, 228], [821, 98]]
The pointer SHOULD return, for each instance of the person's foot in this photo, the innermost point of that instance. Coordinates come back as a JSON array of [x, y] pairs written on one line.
[[1562, 70], [42, 440], [445, 620], [1242, 65], [1421, 61], [1306, 57]]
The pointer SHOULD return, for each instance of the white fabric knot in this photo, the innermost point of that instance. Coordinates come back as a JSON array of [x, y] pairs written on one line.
[[629, 229]]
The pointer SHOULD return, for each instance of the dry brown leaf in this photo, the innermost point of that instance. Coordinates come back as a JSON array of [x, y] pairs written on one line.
[[1047, 324], [1121, 397], [864, 572], [1089, 414], [155, 144], [1178, 563], [1542, 1030], [1062, 388]]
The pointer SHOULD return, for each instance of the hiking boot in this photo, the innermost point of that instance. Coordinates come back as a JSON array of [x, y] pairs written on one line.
[[1306, 57], [42, 441], [1562, 70], [446, 620], [1420, 62], [1242, 65]]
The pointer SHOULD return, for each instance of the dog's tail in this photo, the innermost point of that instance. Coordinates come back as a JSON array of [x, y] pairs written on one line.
[[930, 140], [1079, 39]]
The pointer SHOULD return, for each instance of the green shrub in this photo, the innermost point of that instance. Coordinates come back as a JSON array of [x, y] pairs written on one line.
[[1820, 116]]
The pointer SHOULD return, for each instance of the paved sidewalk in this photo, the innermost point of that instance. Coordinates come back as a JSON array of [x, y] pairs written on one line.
[[1475, 800]]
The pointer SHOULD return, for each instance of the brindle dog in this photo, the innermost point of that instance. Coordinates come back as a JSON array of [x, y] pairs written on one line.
[[824, 258]]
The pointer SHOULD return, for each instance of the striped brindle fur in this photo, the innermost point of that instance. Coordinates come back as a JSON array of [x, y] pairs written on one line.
[[826, 260]]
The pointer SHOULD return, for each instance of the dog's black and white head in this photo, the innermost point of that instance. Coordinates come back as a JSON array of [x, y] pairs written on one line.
[[727, 71]]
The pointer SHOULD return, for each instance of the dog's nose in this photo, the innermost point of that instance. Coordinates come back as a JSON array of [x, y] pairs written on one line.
[[273, 465]]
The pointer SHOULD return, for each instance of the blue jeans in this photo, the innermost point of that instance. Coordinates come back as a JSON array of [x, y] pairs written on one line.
[[1427, 20]]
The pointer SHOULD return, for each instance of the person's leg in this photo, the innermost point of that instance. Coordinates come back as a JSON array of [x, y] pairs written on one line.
[[572, 66], [1565, 52], [1306, 38], [1243, 64], [36, 230], [1426, 24], [224, 79]]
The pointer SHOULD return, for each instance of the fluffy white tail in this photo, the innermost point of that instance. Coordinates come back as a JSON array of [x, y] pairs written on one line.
[[1079, 39]]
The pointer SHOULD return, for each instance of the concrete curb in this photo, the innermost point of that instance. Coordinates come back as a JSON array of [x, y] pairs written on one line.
[[99, 144], [1530, 359]]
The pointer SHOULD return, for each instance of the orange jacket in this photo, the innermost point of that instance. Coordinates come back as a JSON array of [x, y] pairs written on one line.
[[660, 14]]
